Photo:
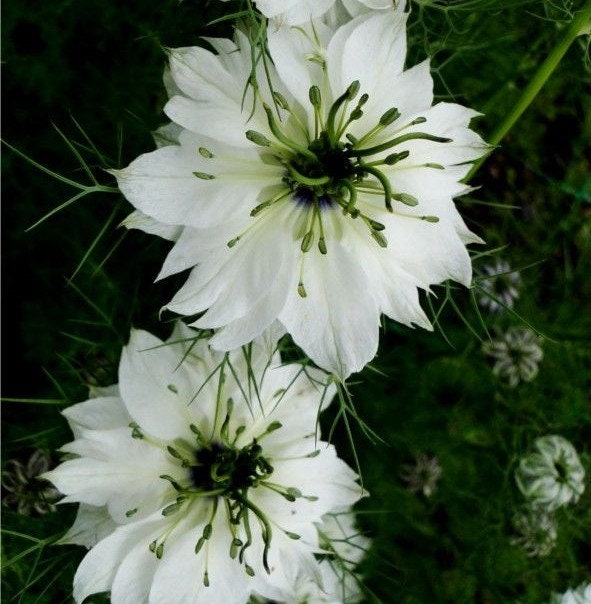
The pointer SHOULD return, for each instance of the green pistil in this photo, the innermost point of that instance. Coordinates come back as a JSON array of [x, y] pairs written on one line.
[[396, 141], [330, 171], [383, 181], [282, 138]]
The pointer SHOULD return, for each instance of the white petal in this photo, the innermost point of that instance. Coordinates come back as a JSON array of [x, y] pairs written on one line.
[[294, 12], [162, 185], [156, 386], [103, 413], [92, 524], [168, 134], [133, 578], [98, 568], [143, 222], [337, 323], [291, 49], [115, 470], [181, 571], [370, 49]]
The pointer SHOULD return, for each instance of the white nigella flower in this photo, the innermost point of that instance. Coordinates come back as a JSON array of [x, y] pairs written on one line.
[[516, 354], [297, 12], [552, 476], [536, 531], [423, 475], [342, 548], [201, 479], [578, 595], [499, 286], [315, 206]]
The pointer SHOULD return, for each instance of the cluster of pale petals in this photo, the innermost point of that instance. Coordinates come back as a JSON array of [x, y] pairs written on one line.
[[342, 547], [552, 475], [200, 476], [577, 595], [517, 354], [296, 12], [499, 286], [265, 250], [536, 531]]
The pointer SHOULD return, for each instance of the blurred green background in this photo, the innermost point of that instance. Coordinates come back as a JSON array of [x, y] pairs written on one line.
[[93, 70]]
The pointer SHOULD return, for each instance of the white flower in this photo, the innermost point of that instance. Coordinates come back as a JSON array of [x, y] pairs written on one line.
[[579, 595], [517, 353], [297, 12], [552, 476], [342, 548], [318, 206], [423, 475], [499, 286], [536, 531], [203, 478]]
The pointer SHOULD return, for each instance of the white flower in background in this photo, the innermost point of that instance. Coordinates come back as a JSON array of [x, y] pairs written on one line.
[[24, 490], [579, 595], [517, 353], [423, 475], [318, 206], [536, 531], [297, 12], [201, 479], [552, 476], [499, 286], [342, 548]]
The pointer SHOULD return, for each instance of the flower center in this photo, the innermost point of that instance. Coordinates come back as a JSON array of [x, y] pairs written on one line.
[[332, 167], [222, 468]]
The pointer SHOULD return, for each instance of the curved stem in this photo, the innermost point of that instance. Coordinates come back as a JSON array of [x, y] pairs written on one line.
[[537, 82]]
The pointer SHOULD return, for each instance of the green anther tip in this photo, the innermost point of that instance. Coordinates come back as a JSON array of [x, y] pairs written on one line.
[[406, 199], [432, 219], [356, 114], [281, 100], [249, 570], [205, 579], [393, 158], [380, 239], [205, 153], [322, 245], [207, 531], [204, 175], [302, 290], [389, 117], [273, 426], [257, 138], [233, 242], [418, 120], [314, 95], [172, 508], [353, 89], [307, 241]]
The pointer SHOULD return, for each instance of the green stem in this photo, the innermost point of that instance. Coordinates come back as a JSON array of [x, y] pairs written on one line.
[[537, 82]]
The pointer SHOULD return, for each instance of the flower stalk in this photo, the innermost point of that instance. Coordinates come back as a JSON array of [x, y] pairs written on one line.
[[543, 74]]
